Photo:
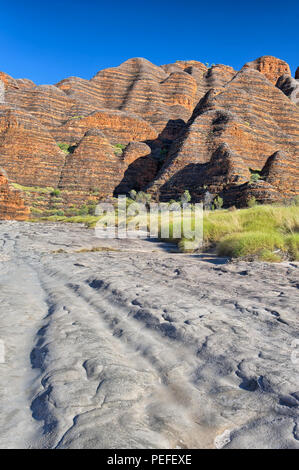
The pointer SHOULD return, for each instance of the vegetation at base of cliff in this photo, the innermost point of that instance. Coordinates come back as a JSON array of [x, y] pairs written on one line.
[[262, 232], [268, 232], [88, 220]]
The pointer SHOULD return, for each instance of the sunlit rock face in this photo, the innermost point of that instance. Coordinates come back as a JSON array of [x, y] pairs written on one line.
[[164, 129], [12, 206]]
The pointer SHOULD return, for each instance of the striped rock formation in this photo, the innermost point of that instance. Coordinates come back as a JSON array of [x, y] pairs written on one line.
[[165, 128], [118, 126], [28, 152], [100, 167], [12, 206], [139, 168], [253, 119], [271, 67], [93, 165]]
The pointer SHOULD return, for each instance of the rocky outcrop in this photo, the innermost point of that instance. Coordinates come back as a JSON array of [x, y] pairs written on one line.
[[139, 168], [290, 87], [251, 116], [270, 66], [28, 152], [282, 172], [93, 166], [166, 128], [12, 206]]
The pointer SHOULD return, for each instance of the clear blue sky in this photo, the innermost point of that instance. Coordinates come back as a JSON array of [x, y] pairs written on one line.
[[49, 41]]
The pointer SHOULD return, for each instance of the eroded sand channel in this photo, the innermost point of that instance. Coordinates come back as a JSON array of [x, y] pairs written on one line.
[[140, 347]]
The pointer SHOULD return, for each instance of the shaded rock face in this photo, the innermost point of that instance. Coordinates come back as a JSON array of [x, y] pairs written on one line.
[[246, 115], [162, 128], [290, 87], [12, 206], [138, 168]]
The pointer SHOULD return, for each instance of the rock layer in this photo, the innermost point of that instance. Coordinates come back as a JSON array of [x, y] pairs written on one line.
[[12, 206], [271, 67], [28, 152]]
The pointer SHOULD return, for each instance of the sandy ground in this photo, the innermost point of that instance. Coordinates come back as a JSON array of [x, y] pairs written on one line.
[[141, 347]]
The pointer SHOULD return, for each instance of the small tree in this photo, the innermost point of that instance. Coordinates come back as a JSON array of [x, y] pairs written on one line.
[[255, 177], [218, 202], [186, 197], [55, 193], [143, 197], [133, 194], [251, 202]]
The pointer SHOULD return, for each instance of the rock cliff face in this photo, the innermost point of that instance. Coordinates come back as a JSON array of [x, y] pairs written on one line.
[[290, 87], [12, 206], [28, 152], [162, 128], [271, 67], [249, 115]]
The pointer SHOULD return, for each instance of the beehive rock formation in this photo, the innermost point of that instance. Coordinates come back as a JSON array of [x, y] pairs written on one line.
[[92, 166], [12, 206], [165, 129], [271, 67], [28, 152], [118, 126], [252, 117], [138, 166]]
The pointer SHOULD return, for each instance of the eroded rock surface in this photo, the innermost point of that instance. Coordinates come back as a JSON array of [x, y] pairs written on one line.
[[141, 347], [12, 205]]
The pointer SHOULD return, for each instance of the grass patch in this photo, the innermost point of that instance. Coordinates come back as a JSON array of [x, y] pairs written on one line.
[[264, 232], [66, 148], [119, 148], [33, 189], [249, 243], [268, 233], [89, 220]]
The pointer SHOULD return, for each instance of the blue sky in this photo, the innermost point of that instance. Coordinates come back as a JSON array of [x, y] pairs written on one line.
[[49, 41]]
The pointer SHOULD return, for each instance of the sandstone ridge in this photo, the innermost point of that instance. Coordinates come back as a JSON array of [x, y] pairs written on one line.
[[164, 129]]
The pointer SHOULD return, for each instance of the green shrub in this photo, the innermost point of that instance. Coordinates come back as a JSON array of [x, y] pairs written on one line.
[[186, 197], [60, 212], [55, 192], [249, 243], [255, 177], [91, 208], [218, 202], [133, 194], [119, 148], [251, 202], [295, 201], [143, 197], [292, 246], [83, 210], [66, 148]]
